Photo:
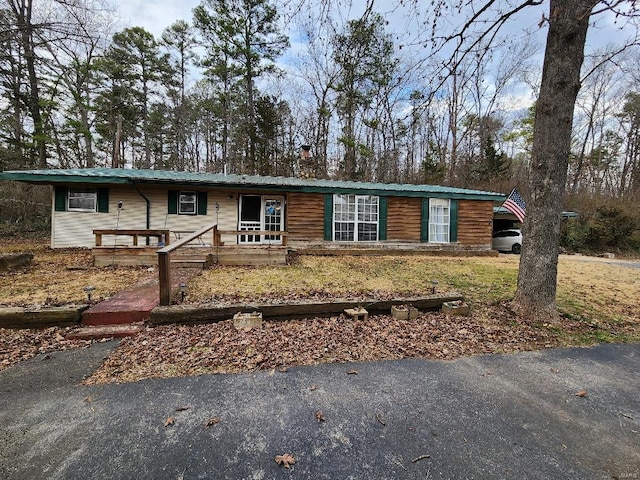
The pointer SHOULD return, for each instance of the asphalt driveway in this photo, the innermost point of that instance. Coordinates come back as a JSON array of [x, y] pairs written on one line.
[[484, 417]]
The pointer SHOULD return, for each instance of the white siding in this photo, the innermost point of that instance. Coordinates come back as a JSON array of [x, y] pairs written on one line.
[[75, 229], [226, 217]]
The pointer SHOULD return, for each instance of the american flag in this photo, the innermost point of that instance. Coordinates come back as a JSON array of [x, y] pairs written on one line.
[[515, 204]]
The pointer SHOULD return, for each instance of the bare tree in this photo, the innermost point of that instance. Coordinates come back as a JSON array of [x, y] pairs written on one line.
[[568, 22]]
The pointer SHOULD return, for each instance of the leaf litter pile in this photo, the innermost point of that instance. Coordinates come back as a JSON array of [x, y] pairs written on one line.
[[19, 345], [179, 350], [597, 301]]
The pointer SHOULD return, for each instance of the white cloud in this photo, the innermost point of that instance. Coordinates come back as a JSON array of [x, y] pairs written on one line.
[[155, 15]]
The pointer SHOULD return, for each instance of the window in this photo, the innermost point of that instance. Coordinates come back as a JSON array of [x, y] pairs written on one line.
[[82, 199], [355, 218], [439, 220], [187, 203]]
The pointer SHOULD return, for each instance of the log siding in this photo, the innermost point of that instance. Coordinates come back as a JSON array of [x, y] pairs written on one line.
[[403, 219], [305, 217], [475, 222]]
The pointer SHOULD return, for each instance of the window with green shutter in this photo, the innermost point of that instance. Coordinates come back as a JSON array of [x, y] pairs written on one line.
[[81, 199], [186, 202], [439, 220]]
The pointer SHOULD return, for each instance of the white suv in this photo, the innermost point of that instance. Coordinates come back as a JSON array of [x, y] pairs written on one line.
[[507, 240]]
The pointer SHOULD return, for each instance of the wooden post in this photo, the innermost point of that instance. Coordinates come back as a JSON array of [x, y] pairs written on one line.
[[164, 278], [98, 239]]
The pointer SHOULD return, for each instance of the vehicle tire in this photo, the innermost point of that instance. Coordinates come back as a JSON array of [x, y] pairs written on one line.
[[516, 248]]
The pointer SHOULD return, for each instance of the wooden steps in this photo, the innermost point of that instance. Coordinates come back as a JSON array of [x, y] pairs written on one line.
[[104, 331], [188, 263]]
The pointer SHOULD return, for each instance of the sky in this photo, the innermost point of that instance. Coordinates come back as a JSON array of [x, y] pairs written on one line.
[[156, 15]]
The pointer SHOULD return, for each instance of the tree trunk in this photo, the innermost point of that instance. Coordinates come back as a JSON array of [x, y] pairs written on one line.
[[537, 278], [22, 12]]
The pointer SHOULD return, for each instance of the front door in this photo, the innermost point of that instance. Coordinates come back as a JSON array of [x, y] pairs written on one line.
[[261, 212]]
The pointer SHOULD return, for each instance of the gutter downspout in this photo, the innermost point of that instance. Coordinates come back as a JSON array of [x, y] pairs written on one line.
[[148, 202]]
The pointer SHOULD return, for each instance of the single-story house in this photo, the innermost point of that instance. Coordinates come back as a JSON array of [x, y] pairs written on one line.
[[311, 213]]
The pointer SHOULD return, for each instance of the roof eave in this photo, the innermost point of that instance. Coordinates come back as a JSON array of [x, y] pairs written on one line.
[[46, 177]]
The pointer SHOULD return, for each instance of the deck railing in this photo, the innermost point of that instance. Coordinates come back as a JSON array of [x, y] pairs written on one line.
[[135, 233], [255, 233], [164, 254], [164, 259]]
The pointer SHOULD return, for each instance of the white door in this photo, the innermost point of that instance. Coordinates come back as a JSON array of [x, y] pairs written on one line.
[[273, 219]]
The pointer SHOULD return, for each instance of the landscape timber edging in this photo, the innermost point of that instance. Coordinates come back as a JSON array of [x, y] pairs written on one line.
[[11, 261], [41, 317], [201, 314]]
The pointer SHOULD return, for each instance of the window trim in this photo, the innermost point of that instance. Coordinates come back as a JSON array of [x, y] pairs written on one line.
[[357, 214], [76, 190]]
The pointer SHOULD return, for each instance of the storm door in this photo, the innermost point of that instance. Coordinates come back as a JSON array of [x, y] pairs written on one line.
[[261, 213]]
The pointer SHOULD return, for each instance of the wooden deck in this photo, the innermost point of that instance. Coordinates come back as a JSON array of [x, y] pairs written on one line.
[[223, 255], [276, 254]]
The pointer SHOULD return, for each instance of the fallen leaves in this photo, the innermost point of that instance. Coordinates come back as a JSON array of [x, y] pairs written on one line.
[[212, 421], [581, 393], [17, 345], [285, 460], [319, 416], [178, 350], [169, 421]]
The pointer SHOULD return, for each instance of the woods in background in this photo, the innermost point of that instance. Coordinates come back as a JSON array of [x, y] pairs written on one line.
[[226, 90]]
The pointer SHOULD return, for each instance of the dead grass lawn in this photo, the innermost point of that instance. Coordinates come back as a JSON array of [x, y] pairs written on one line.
[[59, 277]]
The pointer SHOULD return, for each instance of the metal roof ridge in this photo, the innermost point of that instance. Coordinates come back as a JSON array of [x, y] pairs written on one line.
[[132, 174]]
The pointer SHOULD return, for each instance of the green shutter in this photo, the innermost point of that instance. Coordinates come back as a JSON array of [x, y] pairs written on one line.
[[328, 217], [103, 200], [453, 221], [202, 203], [172, 202], [60, 194], [382, 218], [424, 222]]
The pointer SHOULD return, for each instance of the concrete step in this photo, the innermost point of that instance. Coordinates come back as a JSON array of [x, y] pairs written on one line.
[[104, 331]]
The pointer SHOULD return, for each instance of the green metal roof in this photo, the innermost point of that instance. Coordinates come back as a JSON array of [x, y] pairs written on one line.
[[106, 176]]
